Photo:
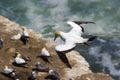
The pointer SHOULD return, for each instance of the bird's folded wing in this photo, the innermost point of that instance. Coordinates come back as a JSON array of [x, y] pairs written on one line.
[[7, 71], [20, 61]]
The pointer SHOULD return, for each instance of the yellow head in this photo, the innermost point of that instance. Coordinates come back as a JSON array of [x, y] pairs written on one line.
[[6, 67], [18, 55], [24, 28], [43, 48], [57, 34]]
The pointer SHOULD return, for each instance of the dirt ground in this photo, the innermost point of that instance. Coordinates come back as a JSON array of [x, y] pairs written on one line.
[[31, 49]]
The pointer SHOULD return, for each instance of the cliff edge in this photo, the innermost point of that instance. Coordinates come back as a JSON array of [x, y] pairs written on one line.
[[80, 68]]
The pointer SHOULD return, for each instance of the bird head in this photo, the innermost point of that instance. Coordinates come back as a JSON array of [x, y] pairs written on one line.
[[38, 63], [1, 39], [51, 71], [6, 67], [24, 28], [19, 55], [43, 48], [57, 34]]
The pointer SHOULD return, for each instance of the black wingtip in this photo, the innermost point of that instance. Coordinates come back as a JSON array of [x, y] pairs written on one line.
[[83, 22], [92, 38]]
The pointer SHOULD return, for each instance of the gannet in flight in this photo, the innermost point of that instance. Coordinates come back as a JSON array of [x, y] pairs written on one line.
[[72, 37]]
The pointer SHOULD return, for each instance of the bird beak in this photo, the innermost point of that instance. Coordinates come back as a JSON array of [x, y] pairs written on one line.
[[55, 37]]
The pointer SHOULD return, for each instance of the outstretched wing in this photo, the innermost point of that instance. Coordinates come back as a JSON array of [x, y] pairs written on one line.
[[77, 29]]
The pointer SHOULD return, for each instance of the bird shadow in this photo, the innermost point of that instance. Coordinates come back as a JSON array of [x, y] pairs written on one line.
[[35, 69], [63, 58], [51, 77], [44, 58], [22, 65]]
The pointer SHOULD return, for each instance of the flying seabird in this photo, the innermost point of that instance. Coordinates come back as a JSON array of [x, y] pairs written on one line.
[[1, 43], [53, 75], [41, 67], [24, 36], [33, 76], [9, 72], [19, 61], [73, 37], [45, 54]]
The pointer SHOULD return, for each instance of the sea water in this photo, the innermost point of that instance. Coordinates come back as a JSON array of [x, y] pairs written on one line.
[[47, 16]]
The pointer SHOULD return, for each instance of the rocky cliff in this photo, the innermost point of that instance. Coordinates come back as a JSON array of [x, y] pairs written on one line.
[[80, 68]]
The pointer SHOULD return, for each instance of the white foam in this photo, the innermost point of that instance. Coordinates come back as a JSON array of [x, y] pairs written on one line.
[[106, 60]]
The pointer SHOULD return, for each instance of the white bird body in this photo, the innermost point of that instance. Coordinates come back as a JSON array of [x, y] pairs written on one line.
[[25, 33], [44, 52], [8, 71], [19, 60]]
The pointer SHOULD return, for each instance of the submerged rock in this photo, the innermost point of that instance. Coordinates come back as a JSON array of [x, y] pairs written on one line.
[[80, 67]]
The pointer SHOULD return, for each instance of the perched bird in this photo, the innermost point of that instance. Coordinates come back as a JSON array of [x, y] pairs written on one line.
[[26, 58], [1, 43], [19, 61], [10, 73], [45, 54], [41, 67], [73, 37], [53, 75], [24, 36], [16, 37], [33, 76]]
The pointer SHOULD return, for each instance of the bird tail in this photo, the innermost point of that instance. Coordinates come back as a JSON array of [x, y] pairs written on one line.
[[92, 38]]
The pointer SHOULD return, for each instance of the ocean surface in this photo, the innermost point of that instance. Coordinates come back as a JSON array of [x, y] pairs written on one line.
[[47, 16]]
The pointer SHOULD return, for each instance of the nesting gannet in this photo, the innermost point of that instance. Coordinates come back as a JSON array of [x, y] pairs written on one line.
[[53, 75], [33, 76], [24, 36], [10, 73], [26, 58], [19, 61], [45, 54], [1, 43], [72, 37], [41, 67]]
